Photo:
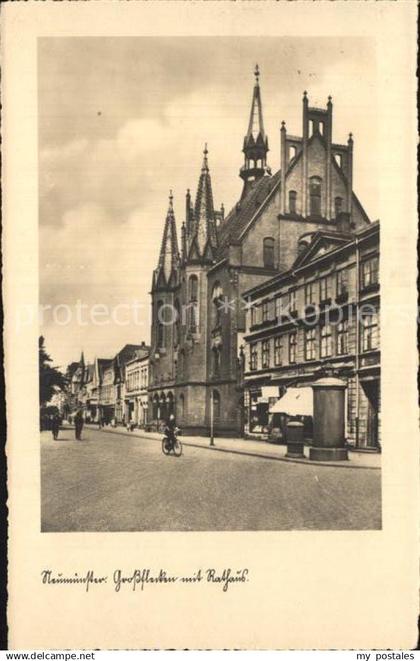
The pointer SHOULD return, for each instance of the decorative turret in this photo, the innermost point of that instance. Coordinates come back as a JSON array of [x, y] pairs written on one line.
[[255, 142], [166, 272], [204, 240]]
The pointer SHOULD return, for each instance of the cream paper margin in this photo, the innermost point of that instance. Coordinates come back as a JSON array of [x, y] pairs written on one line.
[[307, 589]]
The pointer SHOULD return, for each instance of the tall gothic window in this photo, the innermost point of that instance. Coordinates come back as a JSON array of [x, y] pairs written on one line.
[[216, 362], [193, 303], [268, 253], [217, 299], [159, 325], [181, 406], [177, 323], [216, 405], [315, 196]]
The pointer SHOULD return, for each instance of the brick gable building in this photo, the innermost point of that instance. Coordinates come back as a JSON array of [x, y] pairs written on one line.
[[198, 310]]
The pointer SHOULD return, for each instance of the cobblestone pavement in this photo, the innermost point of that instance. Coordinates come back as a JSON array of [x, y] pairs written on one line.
[[114, 482]]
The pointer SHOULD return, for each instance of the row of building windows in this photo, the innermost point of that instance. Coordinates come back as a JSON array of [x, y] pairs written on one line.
[[317, 291], [325, 336], [106, 393], [137, 379], [315, 193]]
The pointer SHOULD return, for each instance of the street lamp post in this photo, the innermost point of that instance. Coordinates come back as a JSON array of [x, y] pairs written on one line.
[[211, 419]]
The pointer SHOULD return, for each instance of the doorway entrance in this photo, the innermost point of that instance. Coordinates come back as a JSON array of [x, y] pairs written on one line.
[[371, 439]]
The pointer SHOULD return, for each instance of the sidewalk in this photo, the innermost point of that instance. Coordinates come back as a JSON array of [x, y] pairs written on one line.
[[252, 448]]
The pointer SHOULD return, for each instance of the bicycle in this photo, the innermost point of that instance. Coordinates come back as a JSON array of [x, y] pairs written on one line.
[[168, 446]]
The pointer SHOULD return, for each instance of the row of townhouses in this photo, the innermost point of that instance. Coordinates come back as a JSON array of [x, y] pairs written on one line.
[[112, 390], [272, 295]]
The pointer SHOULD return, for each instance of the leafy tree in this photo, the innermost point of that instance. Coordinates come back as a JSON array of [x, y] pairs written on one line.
[[50, 378]]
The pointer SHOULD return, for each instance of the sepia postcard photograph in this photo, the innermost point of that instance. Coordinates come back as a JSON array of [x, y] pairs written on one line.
[[209, 280], [211, 352]]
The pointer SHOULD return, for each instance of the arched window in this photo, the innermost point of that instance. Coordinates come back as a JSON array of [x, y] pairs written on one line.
[[217, 300], [160, 336], [163, 408], [321, 128], [177, 323], [268, 253], [338, 159], [292, 201], [216, 405], [170, 402], [181, 406], [193, 303], [310, 127], [292, 152], [315, 196], [216, 362], [338, 205]]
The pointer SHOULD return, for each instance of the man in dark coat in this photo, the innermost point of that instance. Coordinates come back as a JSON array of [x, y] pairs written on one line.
[[78, 425], [55, 425]]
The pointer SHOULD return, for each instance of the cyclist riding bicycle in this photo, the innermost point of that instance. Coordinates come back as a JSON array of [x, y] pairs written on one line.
[[170, 430]]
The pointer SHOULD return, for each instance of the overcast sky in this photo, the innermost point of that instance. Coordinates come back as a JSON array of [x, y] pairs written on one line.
[[123, 120]]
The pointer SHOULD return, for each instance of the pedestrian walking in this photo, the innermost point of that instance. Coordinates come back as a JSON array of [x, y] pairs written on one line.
[[55, 426], [78, 425]]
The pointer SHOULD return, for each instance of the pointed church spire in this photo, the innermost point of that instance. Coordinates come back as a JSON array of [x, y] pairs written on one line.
[[205, 227], [169, 253], [82, 359], [255, 146]]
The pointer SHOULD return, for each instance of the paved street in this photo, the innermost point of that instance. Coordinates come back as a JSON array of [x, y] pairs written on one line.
[[114, 482]]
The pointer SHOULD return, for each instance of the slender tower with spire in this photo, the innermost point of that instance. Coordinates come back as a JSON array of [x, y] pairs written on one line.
[[255, 146], [165, 288], [202, 238], [166, 273]]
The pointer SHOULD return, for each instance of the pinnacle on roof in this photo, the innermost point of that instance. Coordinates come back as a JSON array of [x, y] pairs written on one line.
[[255, 145], [169, 253], [205, 228], [256, 123]]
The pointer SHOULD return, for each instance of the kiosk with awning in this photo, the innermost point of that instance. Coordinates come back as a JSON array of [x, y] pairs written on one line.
[[295, 403]]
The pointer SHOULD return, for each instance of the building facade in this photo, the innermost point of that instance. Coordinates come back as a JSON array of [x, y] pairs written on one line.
[[198, 305], [136, 385], [321, 316]]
